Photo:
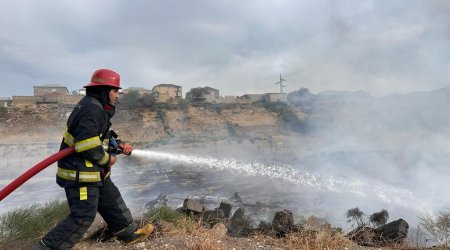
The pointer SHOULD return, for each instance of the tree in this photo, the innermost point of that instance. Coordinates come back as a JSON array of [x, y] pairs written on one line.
[[184, 104], [301, 98], [131, 99], [196, 94], [379, 219], [3, 111], [149, 100], [357, 216], [437, 227]]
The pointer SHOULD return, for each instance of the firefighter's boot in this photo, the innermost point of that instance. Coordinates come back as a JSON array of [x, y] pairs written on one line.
[[130, 235]]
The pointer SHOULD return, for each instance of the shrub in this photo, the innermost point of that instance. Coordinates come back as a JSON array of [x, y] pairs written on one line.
[[149, 100], [23, 227], [357, 216], [184, 104], [164, 213], [437, 227], [161, 115], [131, 99], [3, 111], [379, 219], [178, 223], [287, 115]]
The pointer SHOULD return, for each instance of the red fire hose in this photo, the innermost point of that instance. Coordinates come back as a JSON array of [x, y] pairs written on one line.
[[34, 170]]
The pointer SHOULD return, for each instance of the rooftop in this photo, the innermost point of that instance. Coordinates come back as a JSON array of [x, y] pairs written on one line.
[[50, 86]]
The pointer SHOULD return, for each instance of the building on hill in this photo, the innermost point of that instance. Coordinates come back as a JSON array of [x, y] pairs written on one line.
[[50, 88], [23, 102], [167, 93], [5, 101], [141, 91], [252, 97], [275, 97], [211, 93], [51, 97], [206, 94]]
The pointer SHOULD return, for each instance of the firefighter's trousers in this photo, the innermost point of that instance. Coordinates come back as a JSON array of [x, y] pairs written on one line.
[[84, 202]]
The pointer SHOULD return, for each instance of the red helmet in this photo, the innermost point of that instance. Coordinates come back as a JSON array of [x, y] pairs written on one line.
[[105, 77]]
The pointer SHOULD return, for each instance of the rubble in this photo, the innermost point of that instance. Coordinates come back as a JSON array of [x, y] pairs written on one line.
[[394, 232]]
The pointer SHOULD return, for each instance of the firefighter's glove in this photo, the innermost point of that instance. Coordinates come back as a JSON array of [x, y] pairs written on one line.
[[142, 233], [126, 148]]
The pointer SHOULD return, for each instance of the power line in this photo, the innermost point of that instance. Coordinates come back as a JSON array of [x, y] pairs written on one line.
[[281, 84]]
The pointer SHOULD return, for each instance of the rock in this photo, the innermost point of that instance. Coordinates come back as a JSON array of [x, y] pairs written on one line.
[[226, 208], [190, 205], [180, 210], [283, 222], [160, 201], [240, 226], [219, 230], [393, 232], [265, 228], [213, 216], [236, 197], [238, 214], [97, 228]]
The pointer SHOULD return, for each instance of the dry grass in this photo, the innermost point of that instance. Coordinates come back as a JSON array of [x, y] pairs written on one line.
[[201, 243], [171, 223], [317, 236], [197, 237], [324, 239], [314, 236], [185, 233]]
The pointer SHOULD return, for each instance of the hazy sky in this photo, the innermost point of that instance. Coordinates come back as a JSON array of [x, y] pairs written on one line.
[[380, 46]]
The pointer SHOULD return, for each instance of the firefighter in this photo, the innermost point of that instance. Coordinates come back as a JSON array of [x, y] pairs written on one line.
[[85, 175]]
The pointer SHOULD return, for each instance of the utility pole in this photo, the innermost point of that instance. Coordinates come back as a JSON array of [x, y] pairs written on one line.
[[281, 84]]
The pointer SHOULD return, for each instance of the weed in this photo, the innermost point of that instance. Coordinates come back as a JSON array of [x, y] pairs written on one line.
[[164, 213], [22, 227]]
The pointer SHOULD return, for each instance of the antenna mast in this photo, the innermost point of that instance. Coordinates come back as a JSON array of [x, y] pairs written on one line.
[[281, 84]]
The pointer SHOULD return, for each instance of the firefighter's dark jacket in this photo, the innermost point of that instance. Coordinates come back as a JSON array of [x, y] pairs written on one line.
[[87, 130]]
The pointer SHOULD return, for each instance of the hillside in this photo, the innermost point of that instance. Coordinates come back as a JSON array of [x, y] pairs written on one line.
[[46, 123], [319, 155]]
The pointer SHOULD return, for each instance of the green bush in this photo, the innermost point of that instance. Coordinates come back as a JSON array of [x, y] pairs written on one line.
[[161, 115], [23, 227], [379, 219], [3, 111], [131, 99], [357, 216], [149, 100], [164, 213], [184, 104], [287, 115]]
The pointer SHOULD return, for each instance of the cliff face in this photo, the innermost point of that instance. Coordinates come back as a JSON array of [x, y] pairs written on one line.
[[45, 124]]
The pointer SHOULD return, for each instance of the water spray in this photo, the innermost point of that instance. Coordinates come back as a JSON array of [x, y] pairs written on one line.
[[287, 174]]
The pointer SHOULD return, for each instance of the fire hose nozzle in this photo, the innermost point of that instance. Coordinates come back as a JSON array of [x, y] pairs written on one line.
[[114, 148]]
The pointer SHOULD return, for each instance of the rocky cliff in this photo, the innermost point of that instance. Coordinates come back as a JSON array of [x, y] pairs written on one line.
[[46, 123]]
